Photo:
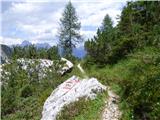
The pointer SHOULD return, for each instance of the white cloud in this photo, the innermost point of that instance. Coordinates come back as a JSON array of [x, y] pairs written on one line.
[[37, 20], [24, 7], [92, 14], [10, 41], [87, 34]]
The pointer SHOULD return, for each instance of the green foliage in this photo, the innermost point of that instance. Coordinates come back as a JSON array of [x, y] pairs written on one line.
[[136, 80], [83, 109], [34, 53], [126, 57], [138, 27], [69, 30], [127, 111], [98, 47], [45, 94], [26, 91], [23, 96], [142, 91], [132, 58], [53, 53]]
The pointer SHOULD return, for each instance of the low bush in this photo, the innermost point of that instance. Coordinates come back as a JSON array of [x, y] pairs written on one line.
[[83, 109], [26, 91], [22, 96]]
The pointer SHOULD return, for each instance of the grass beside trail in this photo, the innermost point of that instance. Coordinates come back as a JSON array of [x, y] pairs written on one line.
[[84, 109], [136, 80]]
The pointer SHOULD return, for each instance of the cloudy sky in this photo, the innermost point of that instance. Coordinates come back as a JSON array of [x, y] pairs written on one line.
[[38, 20]]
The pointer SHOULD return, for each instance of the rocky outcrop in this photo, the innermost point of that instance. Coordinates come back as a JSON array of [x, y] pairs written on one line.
[[40, 66], [70, 91], [67, 67]]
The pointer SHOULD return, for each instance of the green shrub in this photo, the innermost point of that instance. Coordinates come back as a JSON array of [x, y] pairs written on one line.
[[44, 95], [26, 91], [83, 109], [137, 81], [22, 96]]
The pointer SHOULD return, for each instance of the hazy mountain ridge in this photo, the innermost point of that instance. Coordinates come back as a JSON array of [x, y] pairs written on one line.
[[78, 52], [37, 45], [6, 53]]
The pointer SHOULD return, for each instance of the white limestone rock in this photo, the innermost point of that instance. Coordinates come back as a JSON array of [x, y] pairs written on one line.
[[70, 91], [43, 66], [42, 63], [68, 63], [68, 66], [40, 66]]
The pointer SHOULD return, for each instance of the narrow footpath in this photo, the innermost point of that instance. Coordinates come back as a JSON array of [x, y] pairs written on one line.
[[111, 110]]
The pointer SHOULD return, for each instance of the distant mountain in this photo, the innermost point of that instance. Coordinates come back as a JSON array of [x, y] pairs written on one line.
[[79, 52], [42, 45], [6, 53], [25, 43], [37, 45]]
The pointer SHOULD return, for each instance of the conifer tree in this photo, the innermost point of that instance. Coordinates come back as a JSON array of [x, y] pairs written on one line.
[[69, 34]]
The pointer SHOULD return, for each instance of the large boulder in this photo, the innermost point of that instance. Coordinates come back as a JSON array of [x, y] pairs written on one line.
[[70, 91], [43, 66], [68, 66], [40, 66]]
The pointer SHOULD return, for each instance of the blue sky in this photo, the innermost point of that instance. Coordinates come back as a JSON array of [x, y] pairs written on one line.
[[38, 20]]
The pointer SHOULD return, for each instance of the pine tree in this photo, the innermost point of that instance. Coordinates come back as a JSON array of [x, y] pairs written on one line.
[[69, 34], [100, 46], [107, 23]]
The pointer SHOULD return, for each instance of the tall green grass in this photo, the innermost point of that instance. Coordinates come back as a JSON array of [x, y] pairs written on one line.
[[84, 109], [137, 80]]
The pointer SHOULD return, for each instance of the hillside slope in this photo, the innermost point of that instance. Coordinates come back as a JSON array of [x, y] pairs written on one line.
[[136, 80]]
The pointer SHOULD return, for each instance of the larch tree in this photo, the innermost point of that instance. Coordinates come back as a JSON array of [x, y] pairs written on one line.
[[69, 32]]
